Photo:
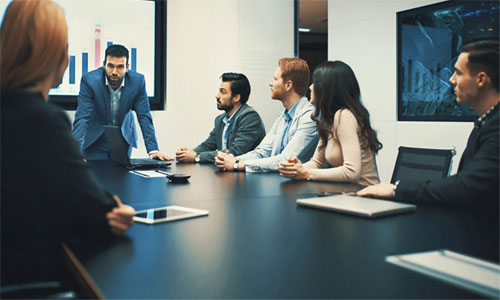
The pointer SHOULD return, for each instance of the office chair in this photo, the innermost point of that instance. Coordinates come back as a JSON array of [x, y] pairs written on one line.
[[422, 164], [50, 289]]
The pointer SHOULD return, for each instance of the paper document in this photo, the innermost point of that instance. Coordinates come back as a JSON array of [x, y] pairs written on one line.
[[471, 273], [147, 173]]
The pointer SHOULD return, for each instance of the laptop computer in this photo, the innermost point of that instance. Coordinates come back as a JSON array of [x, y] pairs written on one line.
[[354, 205], [119, 151]]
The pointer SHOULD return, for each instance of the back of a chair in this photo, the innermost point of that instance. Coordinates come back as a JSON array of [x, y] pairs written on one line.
[[422, 164]]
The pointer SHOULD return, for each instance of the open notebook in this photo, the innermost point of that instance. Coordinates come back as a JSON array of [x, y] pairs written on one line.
[[359, 206]]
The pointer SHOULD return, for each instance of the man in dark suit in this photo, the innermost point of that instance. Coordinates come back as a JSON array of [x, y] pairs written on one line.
[[476, 182], [107, 97], [238, 130]]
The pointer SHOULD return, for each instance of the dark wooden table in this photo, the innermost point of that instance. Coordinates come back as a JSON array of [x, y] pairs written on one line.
[[257, 243]]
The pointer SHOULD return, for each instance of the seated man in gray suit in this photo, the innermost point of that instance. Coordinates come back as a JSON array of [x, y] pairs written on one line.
[[238, 130]]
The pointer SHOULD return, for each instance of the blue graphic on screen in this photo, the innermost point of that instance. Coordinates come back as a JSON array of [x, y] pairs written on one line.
[[85, 63], [91, 29], [72, 69], [429, 50]]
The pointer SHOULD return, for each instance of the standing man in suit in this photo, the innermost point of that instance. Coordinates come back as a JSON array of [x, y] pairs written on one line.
[[293, 133], [476, 182], [107, 97], [238, 130]]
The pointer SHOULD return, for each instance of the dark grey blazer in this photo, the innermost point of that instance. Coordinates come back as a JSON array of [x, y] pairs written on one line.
[[246, 133]]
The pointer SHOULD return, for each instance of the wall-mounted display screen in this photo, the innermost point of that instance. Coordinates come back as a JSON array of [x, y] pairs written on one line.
[[429, 39], [93, 25]]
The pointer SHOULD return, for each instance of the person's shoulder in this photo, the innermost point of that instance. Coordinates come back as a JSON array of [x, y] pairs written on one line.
[[246, 109], [344, 112], [344, 116], [133, 75], [95, 74], [305, 105], [94, 78], [247, 114], [220, 117], [48, 115]]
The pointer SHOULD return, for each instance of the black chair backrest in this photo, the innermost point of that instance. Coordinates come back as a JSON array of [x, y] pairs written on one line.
[[422, 164]]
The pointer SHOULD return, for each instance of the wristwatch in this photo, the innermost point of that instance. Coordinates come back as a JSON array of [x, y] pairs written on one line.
[[197, 158], [236, 165], [395, 188]]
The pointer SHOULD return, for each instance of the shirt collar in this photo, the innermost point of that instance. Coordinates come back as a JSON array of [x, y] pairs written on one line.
[[482, 119], [227, 120], [288, 114]]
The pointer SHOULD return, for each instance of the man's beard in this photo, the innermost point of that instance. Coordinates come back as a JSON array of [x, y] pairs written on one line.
[[115, 82], [226, 107]]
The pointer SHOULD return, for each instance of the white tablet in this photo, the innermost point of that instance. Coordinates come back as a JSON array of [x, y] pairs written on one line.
[[167, 213], [365, 207]]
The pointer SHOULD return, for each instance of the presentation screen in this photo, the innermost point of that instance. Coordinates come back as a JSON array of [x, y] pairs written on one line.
[[94, 25], [429, 40]]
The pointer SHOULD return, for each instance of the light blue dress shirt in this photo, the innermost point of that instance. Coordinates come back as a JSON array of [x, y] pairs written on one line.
[[288, 115], [301, 131], [115, 96]]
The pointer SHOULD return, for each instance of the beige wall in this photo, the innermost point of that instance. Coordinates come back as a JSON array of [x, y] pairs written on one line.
[[206, 38]]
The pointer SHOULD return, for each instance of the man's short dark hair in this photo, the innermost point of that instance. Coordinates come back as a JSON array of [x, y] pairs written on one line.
[[116, 50], [483, 57], [239, 85]]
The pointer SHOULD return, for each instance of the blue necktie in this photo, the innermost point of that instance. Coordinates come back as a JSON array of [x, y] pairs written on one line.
[[288, 121]]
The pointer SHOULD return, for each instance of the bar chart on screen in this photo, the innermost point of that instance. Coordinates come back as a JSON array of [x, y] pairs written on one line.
[[94, 25]]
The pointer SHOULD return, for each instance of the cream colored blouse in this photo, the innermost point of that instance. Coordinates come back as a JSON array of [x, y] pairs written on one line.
[[347, 151]]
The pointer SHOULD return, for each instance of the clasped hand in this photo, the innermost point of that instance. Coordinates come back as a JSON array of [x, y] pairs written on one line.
[[225, 161], [185, 155], [293, 168]]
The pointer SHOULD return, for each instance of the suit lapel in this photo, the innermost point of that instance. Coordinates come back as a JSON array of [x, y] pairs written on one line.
[[107, 103], [234, 121], [124, 101]]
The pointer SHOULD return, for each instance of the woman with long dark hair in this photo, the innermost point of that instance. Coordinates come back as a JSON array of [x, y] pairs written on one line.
[[347, 141]]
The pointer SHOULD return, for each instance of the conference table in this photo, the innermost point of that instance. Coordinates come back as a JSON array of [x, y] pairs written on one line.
[[257, 243]]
